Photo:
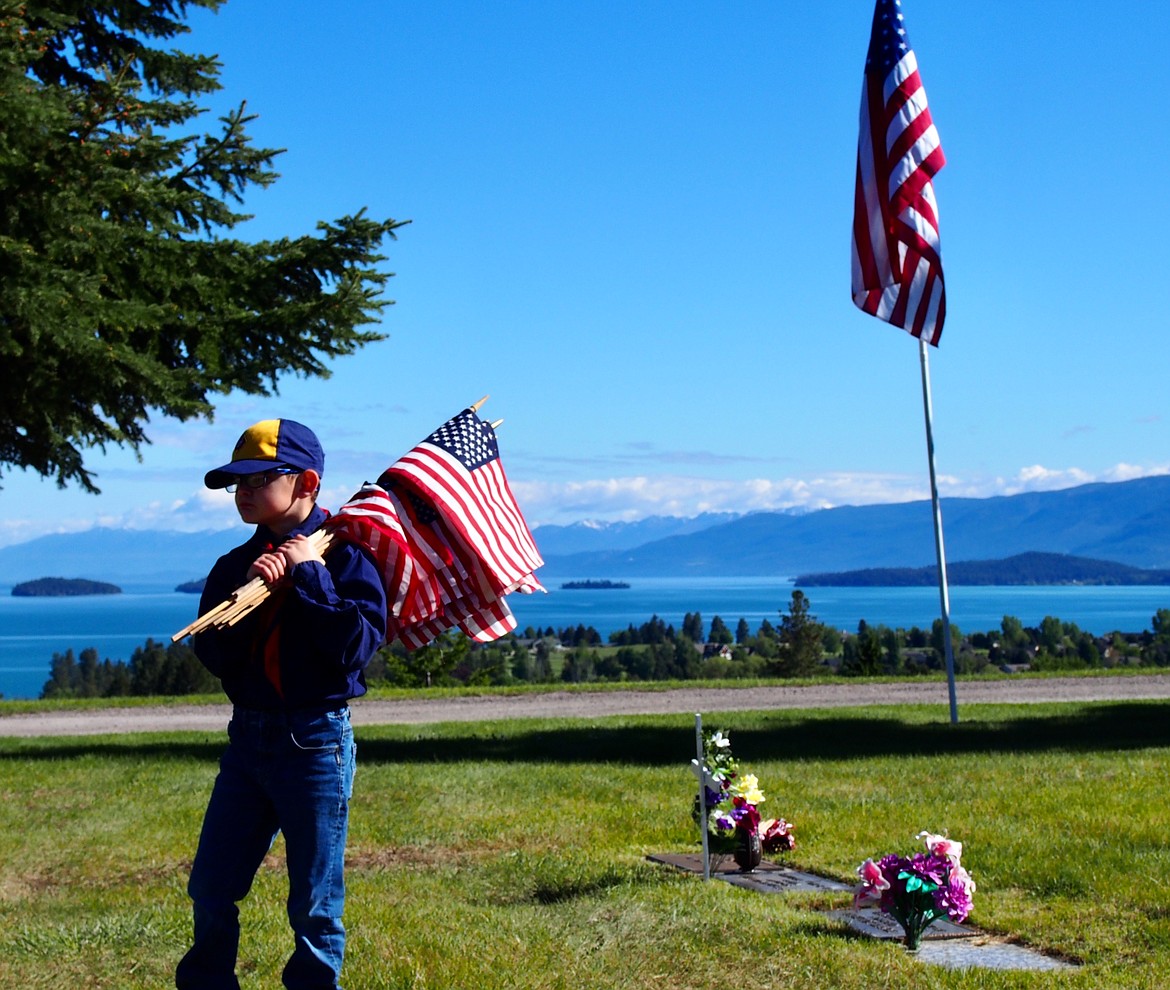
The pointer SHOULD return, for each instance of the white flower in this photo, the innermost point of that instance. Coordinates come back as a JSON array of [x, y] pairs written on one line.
[[940, 845], [720, 741]]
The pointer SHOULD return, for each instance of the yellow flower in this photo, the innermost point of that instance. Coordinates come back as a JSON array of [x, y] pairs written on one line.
[[748, 788]]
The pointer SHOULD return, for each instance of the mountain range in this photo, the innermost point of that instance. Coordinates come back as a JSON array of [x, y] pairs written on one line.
[[1126, 522], [590, 536]]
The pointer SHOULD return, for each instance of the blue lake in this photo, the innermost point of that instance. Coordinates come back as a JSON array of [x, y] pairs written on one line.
[[33, 629]]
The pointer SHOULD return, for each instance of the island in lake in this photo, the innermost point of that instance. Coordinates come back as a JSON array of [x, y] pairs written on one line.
[[55, 587], [591, 585], [192, 587], [1022, 569]]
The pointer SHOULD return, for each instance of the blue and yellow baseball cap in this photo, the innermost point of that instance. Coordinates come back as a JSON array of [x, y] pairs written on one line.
[[271, 443]]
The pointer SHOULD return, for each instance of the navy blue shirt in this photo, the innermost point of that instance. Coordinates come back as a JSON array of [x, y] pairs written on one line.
[[308, 644]]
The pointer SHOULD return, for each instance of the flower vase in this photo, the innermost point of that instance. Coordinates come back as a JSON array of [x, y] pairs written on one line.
[[748, 851], [914, 927]]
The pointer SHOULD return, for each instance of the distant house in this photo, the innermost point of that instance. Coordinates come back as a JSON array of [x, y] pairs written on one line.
[[721, 650]]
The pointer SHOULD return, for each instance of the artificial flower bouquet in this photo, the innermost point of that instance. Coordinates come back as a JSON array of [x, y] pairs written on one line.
[[920, 888], [733, 804]]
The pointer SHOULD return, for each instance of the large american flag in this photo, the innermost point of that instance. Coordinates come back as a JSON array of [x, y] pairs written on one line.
[[447, 535], [897, 269]]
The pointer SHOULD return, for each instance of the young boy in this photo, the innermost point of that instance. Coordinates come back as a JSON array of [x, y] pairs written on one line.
[[289, 668]]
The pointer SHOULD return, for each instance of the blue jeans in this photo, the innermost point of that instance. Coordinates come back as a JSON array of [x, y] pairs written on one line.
[[282, 772]]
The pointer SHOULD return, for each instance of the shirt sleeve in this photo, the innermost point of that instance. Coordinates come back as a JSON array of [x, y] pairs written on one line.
[[340, 607], [219, 650]]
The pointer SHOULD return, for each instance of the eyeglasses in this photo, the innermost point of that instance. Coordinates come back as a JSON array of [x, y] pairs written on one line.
[[258, 481]]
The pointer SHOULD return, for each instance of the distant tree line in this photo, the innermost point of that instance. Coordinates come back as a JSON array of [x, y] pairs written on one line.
[[153, 669], [798, 646], [1021, 569]]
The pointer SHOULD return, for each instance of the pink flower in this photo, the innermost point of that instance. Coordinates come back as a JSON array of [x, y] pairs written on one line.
[[776, 835], [873, 882], [872, 876], [746, 816], [940, 845], [961, 880]]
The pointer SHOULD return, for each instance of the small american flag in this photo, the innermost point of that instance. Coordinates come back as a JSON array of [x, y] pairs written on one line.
[[447, 535], [457, 470], [371, 520], [897, 269]]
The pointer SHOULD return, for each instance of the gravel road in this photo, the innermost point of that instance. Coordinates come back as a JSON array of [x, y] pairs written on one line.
[[566, 704]]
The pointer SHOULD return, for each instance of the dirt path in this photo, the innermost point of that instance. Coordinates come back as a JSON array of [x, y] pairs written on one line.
[[566, 704]]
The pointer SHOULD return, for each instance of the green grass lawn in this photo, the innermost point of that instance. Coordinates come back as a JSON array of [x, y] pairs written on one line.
[[513, 854]]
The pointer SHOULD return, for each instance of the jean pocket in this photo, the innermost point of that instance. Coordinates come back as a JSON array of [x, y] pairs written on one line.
[[317, 735]]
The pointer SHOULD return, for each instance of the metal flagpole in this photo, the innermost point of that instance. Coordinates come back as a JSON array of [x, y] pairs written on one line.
[[700, 769], [943, 594]]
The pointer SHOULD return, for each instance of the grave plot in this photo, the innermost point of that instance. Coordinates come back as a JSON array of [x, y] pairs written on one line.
[[944, 943], [767, 878], [722, 783]]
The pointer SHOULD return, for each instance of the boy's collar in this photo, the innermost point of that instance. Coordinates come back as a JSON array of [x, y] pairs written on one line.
[[312, 522]]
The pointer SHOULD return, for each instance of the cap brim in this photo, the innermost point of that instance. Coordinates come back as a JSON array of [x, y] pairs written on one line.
[[228, 474]]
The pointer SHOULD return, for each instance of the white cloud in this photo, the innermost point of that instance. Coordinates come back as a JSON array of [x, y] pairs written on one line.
[[634, 497], [204, 509], [625, 498], [1038, 478], [201, 511], [22, 530], [1127, 472], [629, 498]]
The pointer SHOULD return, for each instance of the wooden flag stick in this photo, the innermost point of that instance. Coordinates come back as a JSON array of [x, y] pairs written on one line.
[[496, 424], [478, 405], [200, 623], [256, 591], [245, 598]]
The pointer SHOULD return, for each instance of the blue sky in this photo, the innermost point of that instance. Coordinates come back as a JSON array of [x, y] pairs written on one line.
[[630, 227]]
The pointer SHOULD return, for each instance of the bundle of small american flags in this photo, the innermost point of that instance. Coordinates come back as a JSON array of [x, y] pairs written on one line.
[[447, 535]]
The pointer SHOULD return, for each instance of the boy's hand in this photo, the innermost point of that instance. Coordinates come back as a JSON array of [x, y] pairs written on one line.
[[298, 550], [273, 566], [270, 566]]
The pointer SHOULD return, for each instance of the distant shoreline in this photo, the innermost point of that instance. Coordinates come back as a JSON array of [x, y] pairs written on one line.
[[33, 629], [1021, 571], [594, 584]]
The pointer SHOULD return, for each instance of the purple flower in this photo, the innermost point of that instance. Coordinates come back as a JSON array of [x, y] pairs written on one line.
[[930, 868], [957, 895]]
